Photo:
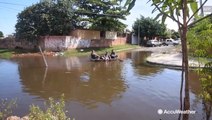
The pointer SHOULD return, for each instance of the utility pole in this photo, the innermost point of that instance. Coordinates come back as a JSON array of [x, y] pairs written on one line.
[[138, 33], [201, 13]]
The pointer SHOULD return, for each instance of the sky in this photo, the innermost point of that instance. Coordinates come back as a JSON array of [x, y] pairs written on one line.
[[9, 10]]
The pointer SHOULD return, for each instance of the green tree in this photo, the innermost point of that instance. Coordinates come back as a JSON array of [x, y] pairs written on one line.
[[1, 34], [148, 27], [101, 15], [182, 12], [175, 35], [45, 18], [108, 24], [171, 34], [200, 46]]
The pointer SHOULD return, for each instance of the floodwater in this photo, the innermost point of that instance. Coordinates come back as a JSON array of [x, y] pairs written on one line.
[[128, 89]]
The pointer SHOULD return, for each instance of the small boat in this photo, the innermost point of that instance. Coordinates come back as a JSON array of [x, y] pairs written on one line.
[[99, 60]]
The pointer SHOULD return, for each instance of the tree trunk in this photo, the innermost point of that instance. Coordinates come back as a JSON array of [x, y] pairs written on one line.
[[182, 75], [185, 59], [185, 69]]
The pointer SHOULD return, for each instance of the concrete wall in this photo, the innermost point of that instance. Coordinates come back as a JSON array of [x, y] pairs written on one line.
[[110, 35], [59, 43], [53, 43], [119, 41], [11, 43], [73, 42], [134, 40], [86, 34]]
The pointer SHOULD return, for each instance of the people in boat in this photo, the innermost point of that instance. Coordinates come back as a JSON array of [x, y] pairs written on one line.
[[113, 54], [106, 56], [94, 55]]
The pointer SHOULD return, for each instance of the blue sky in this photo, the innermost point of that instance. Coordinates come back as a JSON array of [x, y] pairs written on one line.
[[9, 13]]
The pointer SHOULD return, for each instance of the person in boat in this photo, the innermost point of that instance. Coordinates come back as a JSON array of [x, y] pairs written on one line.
[[113, 55], [94, 55], [106, 56]]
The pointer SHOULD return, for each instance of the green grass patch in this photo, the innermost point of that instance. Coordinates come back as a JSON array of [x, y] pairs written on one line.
[[87, 51], [5, 53], [8, 53]]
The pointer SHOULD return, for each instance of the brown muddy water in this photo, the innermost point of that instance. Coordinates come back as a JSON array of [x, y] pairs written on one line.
[[118, 90]]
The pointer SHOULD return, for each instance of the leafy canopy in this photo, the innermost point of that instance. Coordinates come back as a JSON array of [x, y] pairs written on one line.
[[45, 18], [1, 34], [101, 14], [200, 45], [200, 39], [149, 27]]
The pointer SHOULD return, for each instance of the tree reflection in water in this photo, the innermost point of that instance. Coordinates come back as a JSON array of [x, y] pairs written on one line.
[[84, 82], [107, 85]]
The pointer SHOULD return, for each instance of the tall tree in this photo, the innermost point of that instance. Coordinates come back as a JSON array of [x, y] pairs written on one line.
[[175, 35], [108, 24], [45, 18], [148, 27], [98, 13], [1, 34], [182, 12], [200, 46]]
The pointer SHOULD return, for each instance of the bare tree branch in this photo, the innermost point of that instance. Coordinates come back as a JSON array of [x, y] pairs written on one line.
[[196, 11], [190, 25]]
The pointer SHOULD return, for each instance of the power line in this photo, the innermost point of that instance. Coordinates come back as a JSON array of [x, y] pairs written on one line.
[[12, 4], [9, 8]]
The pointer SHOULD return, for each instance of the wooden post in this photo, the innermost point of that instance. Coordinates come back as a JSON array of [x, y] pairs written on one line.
[[44, 77], [44, 59]]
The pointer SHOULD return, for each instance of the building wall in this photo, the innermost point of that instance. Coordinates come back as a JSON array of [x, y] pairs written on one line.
[[11, 43], [134, 40], [86, 34], [119, 41], [74, 42], [59, 43], [110, 35], [53, 43]]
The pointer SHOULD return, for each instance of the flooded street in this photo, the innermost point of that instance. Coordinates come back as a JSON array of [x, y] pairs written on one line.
[[127, 89]]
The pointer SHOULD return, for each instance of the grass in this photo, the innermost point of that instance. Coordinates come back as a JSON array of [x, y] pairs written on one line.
[[8, 53], [5, 53], [86, 51]]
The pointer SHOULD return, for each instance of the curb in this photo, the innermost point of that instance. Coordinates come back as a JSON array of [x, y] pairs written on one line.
[[165, 65], [179, 67]]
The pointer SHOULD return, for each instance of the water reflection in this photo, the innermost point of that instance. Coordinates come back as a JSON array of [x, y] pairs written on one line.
[[126, 90], [140, 66], [79, 79]]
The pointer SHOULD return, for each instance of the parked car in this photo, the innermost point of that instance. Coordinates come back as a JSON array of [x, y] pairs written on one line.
[[170, 42], [153, 43], [178, 41]]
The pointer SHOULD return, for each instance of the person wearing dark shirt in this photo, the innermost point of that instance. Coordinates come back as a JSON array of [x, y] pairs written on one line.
[[113, 54], [94, 55]]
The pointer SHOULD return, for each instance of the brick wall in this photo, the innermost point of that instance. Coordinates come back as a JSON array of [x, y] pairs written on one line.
[[119, 41]]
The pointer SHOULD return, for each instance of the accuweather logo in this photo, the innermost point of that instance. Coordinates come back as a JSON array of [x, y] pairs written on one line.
[[160, 111]]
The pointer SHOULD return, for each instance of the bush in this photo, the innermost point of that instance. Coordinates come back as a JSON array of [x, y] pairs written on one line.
[[54, 111], [6, 108]]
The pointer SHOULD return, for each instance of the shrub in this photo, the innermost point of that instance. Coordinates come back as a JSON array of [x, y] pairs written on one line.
[[54, 111], [6, 107]]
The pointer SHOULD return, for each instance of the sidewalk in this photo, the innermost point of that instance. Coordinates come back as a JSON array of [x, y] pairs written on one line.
[[170, 60]]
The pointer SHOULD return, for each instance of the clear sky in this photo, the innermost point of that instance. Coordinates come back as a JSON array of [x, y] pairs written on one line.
[[9, 10]]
